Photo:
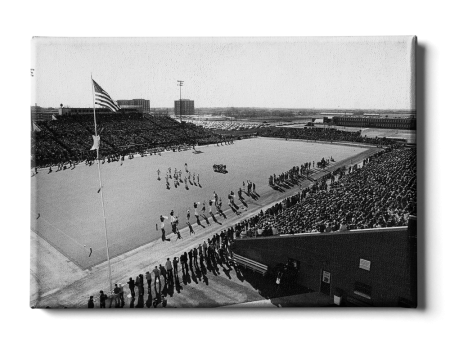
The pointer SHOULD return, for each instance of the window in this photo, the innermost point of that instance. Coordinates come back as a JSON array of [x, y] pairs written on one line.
[[363, 290]]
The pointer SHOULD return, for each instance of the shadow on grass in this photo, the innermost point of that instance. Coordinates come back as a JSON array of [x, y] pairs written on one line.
[[194, 277], [235, 208], [215, 219], [178, 286], [276, 187], [206, 219], [186, 278]]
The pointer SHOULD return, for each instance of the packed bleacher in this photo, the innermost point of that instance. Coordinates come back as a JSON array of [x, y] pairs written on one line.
[[322, 134], [227, 125], [69, 138], [381, 193]]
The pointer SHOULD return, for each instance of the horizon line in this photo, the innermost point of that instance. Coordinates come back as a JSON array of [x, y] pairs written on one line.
[[230, 107]]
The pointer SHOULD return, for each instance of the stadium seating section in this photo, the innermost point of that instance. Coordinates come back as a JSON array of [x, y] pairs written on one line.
[[70, 137], [381, 193]]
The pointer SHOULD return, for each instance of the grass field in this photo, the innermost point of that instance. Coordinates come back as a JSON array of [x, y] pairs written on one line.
[[66, 208]]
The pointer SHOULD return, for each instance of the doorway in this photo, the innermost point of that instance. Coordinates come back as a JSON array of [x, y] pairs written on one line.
[[325, 282]]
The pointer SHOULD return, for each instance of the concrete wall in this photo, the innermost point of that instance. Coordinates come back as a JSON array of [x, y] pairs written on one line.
[[389, 251]]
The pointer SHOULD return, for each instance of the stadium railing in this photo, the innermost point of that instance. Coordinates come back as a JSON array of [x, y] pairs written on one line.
[[250, 264]]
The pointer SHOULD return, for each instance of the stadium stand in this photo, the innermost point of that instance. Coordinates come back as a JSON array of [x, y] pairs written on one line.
[[227, 125], [382, 193], [322, 134], [69, 138]]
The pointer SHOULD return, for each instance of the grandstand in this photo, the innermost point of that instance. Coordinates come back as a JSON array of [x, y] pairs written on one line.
[[69, 137], [376, 121], [368, 195], [372, 211], [227, 125]]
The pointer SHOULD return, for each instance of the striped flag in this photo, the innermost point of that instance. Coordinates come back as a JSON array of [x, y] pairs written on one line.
[[103, 99]]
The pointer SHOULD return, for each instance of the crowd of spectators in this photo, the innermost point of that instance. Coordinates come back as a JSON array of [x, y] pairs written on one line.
[[69, 138], [227, 125], [380, 193], [322, 134]]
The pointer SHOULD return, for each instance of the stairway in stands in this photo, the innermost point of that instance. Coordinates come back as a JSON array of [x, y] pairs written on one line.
[[56, 138]]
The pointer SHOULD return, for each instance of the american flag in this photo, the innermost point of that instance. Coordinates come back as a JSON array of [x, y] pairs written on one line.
[[103, 99]]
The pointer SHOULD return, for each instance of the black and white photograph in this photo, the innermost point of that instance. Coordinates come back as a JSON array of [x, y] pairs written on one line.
[[262, 172]]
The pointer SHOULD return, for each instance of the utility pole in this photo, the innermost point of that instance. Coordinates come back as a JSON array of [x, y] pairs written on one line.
[[180, 84]]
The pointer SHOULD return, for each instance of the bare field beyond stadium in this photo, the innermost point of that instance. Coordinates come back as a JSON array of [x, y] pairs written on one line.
[[66, 207]]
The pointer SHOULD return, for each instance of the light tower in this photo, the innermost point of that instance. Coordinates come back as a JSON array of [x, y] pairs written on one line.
[[180, 84]]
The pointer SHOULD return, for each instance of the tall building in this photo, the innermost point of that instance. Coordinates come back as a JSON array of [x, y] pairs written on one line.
[[140, 105], [187, 107]]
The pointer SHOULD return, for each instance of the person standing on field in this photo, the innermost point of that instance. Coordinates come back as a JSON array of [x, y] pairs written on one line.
[[194, 256], [91, 302], [157, 274], [148, 277], [191, 229], [169, 269], [175, 267], [141, 285], [162, 219], [210, 207], [131, 286], [163, 273], [196, 204], [103, 298], [205, 248], [203, 208]]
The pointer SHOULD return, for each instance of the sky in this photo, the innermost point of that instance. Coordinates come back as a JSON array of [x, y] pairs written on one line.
[[304, 73]]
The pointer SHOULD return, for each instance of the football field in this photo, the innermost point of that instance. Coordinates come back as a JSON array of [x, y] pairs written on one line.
[[66, 207]]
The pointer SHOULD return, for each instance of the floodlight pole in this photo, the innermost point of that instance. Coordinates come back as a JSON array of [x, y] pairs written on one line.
[[180, 84]]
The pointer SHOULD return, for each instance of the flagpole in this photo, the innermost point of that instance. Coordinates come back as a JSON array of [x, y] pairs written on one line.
[[101, 191]]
